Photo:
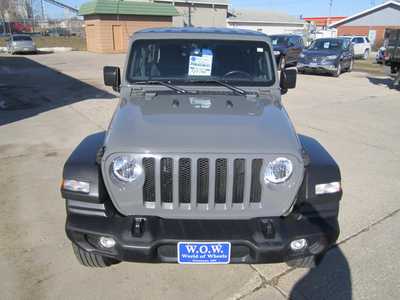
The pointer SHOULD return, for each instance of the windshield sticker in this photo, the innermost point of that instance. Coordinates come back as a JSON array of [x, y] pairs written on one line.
[[260, 50], [326, 45], [200, 63], [200, 103], [274, 42]]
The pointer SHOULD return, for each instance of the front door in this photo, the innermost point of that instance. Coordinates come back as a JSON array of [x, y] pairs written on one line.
[[118, 38]]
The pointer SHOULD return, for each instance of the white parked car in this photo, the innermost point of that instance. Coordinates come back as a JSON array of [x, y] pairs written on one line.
[[362, 46]]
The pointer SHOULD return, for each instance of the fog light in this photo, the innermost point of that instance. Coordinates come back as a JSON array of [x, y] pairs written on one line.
[[106, 242], [298, 245]]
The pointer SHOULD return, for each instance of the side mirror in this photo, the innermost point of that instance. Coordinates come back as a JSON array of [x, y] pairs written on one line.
[[112, 77], [288, 80]]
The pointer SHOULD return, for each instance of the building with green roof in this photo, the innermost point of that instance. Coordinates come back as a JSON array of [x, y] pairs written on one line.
[[109, 23]]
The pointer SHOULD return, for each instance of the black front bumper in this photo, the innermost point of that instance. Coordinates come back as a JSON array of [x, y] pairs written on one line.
[[153, 239]]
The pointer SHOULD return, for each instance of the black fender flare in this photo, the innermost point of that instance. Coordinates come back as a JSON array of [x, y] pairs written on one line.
[[320, 168], [82, 166]]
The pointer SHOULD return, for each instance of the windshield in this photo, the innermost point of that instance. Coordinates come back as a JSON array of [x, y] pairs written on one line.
[[278, 40], [188, 61], [19, 38], [327, 44]]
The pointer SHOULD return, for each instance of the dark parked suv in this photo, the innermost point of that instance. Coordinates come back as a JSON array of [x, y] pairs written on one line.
[[328, 55], [287, 49], [201, 163]]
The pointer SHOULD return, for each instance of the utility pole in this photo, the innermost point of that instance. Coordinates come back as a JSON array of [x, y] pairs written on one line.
[[330, 13]]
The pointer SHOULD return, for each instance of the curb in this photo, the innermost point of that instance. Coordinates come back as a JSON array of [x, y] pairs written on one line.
[[55, 49]]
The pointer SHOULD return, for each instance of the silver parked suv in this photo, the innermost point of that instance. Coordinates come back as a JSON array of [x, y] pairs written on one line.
[[201, 163], [20, 43]]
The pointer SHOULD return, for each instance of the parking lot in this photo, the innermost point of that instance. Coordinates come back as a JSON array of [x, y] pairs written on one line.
[[50, 102]]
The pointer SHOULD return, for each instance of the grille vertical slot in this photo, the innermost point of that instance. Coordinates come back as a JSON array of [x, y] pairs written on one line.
[[185, 180], [255, 188], [203, 169], [221, 170], [166, 167], [238, 180], [149, 193]]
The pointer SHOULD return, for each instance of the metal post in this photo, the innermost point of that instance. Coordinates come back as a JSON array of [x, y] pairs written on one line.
[[330, 13], [190, 14]]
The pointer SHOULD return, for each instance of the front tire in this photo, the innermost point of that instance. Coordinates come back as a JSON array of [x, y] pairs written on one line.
[[338, 71], [366, 54], [350, 68], [282, 63], [91, 260]]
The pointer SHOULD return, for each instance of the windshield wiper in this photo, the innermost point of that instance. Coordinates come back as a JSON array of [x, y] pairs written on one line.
[[166, 84], [227, 85]]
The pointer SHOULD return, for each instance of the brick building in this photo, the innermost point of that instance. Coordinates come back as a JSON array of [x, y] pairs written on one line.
[[322, 23], [372, 22]]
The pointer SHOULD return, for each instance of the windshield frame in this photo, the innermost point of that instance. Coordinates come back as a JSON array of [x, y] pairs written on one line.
[[207, 80]]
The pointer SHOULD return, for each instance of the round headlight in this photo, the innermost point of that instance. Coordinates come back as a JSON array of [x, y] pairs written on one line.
[[278, 171], [126, 168]]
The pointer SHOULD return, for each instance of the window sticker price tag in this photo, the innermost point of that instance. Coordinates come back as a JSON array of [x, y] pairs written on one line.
[[200, 63]]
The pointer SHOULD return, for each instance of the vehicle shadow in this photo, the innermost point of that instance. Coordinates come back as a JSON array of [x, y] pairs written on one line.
[[388, 82], [331, 279], [28, 88], [316, 74]]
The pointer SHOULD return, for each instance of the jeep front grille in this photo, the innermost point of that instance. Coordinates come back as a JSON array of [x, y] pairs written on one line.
[[185, 180], [192, 182], [149, 192]]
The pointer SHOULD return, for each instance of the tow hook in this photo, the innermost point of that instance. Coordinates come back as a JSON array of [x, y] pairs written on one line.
[[138, 226], [267, 229]]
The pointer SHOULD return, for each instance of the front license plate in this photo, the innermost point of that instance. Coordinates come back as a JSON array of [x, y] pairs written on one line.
[[204, 252]]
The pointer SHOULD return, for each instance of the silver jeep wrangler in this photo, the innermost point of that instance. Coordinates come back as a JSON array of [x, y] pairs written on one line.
[[201, 163]]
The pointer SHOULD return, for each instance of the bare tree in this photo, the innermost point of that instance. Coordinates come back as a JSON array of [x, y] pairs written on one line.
[[4, 8]]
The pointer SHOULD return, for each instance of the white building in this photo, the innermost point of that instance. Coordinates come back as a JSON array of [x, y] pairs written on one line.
[[266, 21]]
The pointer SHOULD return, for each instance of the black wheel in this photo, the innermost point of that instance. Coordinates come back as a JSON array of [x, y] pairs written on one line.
[[92, 260], [282, 63], [338, 71], [350, 68], [366, 54], [308, 262]]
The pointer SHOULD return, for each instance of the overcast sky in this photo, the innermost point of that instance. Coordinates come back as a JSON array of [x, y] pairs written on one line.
[[293, 7]]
